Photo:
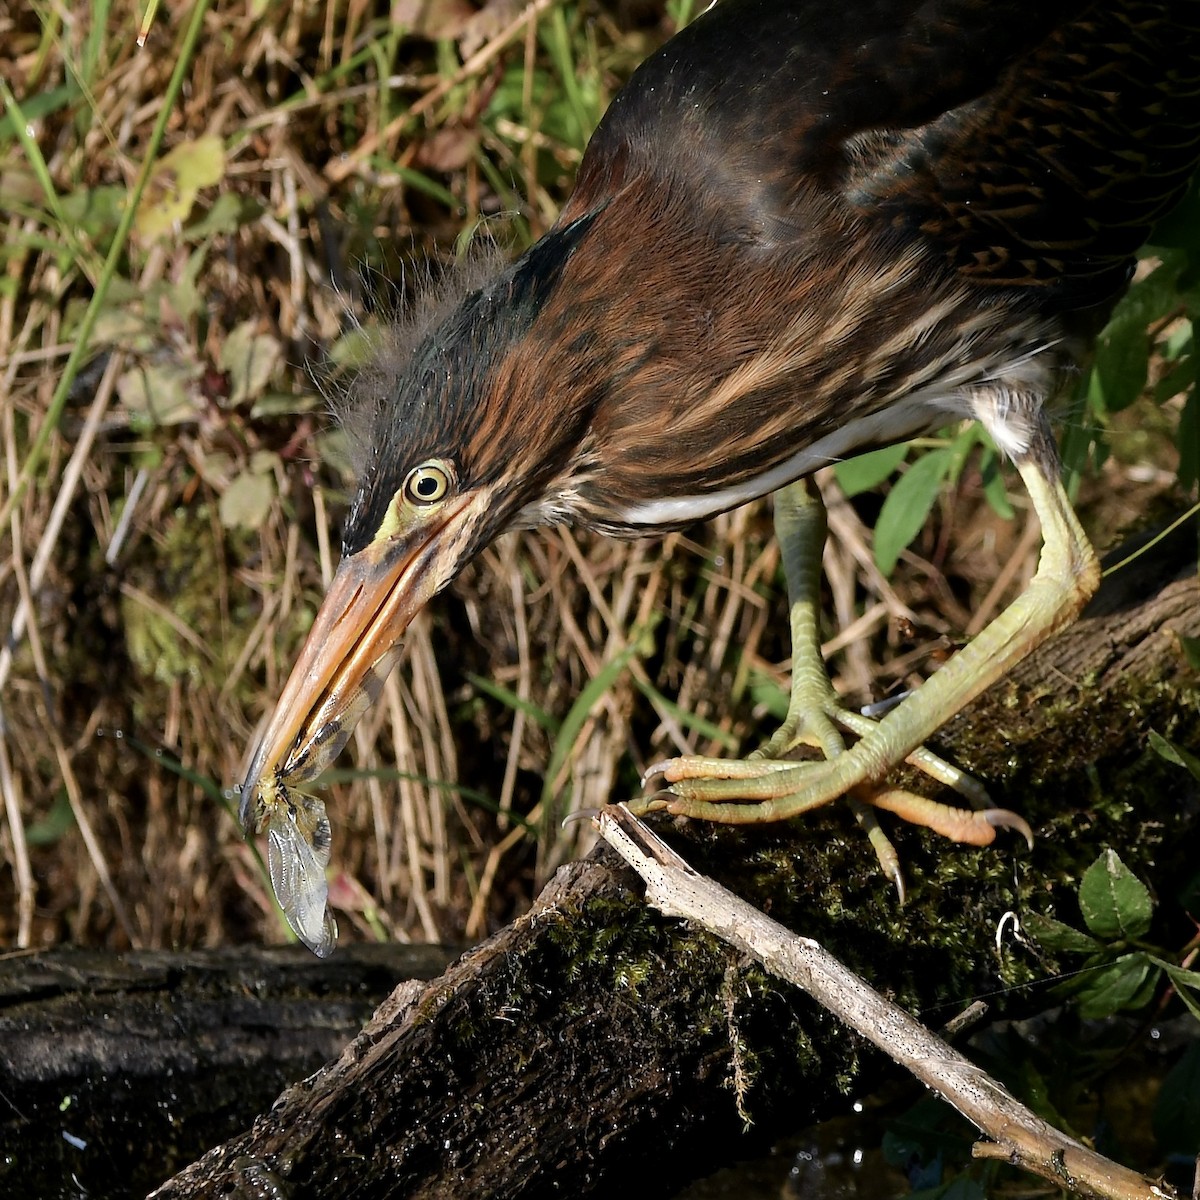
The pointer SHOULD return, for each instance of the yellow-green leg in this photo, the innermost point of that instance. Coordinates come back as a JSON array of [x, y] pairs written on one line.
[[813, 707], [768, 789]]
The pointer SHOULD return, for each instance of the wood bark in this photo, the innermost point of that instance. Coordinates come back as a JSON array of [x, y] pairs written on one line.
[[115, 1067], [594, 1045]]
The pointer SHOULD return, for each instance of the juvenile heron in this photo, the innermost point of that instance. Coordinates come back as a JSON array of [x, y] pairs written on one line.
[[801, 231]]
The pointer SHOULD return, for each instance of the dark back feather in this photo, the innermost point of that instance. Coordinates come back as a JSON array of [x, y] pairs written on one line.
[[1027, 143]]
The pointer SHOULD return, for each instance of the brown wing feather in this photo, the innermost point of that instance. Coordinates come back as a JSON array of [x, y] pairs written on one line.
[[1056, 176]]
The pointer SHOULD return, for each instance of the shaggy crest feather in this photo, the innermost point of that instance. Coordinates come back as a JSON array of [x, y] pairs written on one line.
[[357, 404]]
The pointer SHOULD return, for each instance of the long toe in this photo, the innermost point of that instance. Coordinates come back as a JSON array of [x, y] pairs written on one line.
[[971, 827]]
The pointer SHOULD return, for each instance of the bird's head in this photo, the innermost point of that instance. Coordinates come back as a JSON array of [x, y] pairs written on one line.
[[457, 446]]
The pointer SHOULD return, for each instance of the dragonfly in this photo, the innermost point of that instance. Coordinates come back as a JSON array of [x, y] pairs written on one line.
[[299, 841]]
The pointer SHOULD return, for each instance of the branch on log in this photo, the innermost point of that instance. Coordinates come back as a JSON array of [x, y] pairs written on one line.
[[1019, 1135]]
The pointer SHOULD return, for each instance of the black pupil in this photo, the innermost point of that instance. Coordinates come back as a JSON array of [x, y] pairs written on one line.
[[426, 486]]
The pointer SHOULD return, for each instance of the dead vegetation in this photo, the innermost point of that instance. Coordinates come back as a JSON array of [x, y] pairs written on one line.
[[170, 521]]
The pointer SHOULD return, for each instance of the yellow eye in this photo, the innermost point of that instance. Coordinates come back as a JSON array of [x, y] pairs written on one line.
[[427, 484]]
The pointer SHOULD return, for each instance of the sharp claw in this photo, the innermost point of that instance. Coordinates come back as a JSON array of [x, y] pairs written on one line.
[[591, 813], [882, 707], [885, 852], [1003, 818], [655, 770]]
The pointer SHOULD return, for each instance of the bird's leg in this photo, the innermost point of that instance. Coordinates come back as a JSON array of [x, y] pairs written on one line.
[[816, 717], [815, 712], [813, 708], [801, 527], [755, 790]]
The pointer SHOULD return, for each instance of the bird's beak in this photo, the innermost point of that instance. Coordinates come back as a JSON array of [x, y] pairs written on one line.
[[346, 658]]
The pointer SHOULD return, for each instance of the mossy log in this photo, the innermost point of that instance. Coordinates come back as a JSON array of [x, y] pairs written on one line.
[[593, 1045]]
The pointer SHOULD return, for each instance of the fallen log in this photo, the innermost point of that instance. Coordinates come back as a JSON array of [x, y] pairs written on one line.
[[117, 1069]]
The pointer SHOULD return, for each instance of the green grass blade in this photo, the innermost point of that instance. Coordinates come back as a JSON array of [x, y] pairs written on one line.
[[579, 713], [510, 699], [688, 720]]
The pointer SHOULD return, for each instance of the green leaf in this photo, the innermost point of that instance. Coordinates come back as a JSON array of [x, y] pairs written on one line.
[[159, 394], [97, 211], [53, 825], [1179, 378], [681, 12], [971, 435], [1114, 902], [994, 489], [1186, 984], [1191, 651], [1181, 225], [250, 360], [176, 181], [1152, 297], [907, 506], [1059, 937], [35, 107], [865, 471], [1121, 366], [1035, 1090], [1082, 448], [920, 1139], [1126, 983], [229, 212], [1121, 363], [768, 695], [286, 404], [1175, 754], [247, 501], [1176, 1118]]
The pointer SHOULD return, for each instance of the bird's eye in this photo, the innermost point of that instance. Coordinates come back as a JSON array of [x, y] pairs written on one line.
[[427, 484]]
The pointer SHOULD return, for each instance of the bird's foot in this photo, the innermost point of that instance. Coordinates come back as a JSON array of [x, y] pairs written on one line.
[[768, 787]]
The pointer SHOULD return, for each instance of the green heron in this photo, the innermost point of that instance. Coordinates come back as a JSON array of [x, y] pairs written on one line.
[[800, 232]]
